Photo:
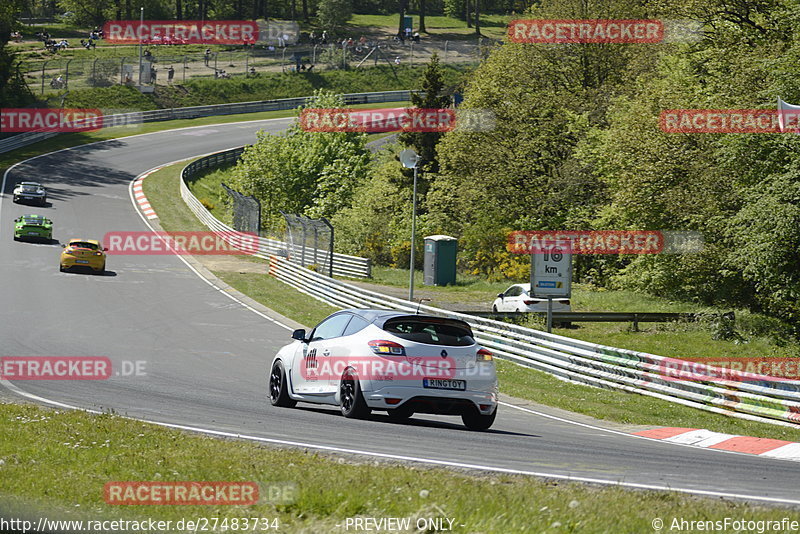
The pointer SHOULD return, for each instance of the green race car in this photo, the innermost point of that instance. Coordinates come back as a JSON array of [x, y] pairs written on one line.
[[33, 227]]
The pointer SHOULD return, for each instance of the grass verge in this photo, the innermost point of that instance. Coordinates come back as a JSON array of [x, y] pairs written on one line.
[[161, 190], [40, 447]]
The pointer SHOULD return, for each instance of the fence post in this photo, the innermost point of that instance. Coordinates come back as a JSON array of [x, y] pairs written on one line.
[[314, 55], [94, 71], [412, 53], [445, 51], [122, 70], [330, 247], [43, 67], [66, 75], [184, 69]]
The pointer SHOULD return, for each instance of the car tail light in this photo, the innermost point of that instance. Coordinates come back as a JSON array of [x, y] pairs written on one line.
[[484, 355], [382, 346], [528, 302], [392, 401]]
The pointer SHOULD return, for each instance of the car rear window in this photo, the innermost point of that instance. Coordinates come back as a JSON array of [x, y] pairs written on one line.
[[81, 244], [431, 332]]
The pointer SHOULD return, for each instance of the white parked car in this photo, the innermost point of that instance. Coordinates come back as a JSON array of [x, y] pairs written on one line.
[[30, 191], [364, 360], [517, 298]]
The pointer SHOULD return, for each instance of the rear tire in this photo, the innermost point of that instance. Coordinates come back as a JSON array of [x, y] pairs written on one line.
[[474, 420], [61, 268], [278, 388], [351, 400], [494, 309]]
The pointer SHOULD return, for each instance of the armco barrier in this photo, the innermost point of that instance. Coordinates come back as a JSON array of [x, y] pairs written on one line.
[[574, 360], [343, 264], [194, 112]]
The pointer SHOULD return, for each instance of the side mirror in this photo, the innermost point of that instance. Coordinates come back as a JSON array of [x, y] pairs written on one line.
[[500, 295], [299, 334], [105, 249], [63, 245]]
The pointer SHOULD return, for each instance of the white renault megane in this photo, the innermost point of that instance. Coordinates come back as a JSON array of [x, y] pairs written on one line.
[[364, 360]]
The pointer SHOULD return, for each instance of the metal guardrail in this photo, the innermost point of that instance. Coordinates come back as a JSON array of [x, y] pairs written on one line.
[[598, 317], [343, 264], [767, 400], [194, 112]]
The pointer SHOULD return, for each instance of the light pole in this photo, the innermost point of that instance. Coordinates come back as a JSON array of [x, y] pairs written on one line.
[[141, 23], [410, 160]]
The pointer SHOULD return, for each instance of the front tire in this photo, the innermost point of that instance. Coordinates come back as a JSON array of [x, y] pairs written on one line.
[[351, 400], [494, 309], [474, 420], [278, 388]]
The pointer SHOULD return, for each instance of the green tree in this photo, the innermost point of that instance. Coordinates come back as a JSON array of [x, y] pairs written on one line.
[[334, 14], [433, 96], [304, 172]]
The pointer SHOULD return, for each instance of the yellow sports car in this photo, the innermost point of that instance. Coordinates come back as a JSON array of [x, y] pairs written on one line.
[[88, 253]]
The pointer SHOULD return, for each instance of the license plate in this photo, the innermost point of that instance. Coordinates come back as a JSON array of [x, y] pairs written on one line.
[[444, 383], [81, 261], [33, 233]]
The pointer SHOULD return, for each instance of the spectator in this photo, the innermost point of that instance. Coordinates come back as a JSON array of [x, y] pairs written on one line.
[[252, 71], [170, 74], [153, 74], [310, 68], [324, 37], [415, 37], [408, 33], [397, 60], [207, 56], [148, 55], [90, 43], [362, 41], [313, 38]]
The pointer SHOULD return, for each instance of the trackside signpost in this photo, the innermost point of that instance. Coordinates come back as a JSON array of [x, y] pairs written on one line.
[[551, 275]]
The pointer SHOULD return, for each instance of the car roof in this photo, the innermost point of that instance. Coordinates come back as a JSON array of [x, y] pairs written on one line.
[[42, 217], [92, 241], [30, 183], [380, 316]]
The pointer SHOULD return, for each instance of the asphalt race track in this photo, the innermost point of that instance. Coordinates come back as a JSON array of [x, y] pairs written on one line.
[[206, 356]]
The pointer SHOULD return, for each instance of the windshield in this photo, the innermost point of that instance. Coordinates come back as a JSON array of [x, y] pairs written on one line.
[[431, 331], [33, 220]]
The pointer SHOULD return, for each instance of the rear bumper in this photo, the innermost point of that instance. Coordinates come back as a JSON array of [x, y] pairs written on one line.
[[69, 262], [39, 237], [28, 198], [481, 393]]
